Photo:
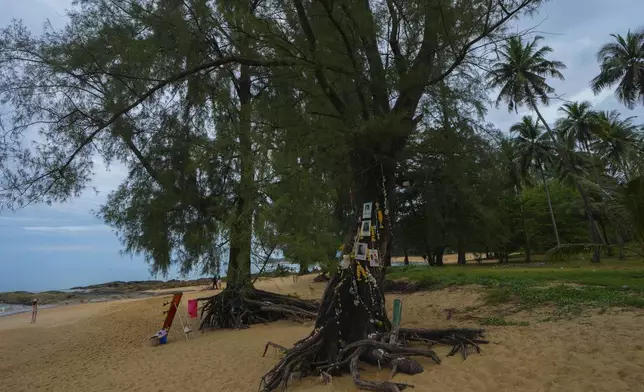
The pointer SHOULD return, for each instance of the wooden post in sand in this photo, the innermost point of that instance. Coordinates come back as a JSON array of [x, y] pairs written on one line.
[[393, 337]]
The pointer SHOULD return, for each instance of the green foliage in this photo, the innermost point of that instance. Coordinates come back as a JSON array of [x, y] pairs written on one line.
[[619, 284], [573, 250], [632, 198], [568, 211], [612, 274]]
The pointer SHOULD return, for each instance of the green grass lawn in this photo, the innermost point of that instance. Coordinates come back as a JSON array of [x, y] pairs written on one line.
[[570, 285]]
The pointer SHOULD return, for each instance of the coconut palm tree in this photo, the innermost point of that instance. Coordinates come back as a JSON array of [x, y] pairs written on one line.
[[581, 121], [534, 152], [575, 168], [619, 143], [621, 62], [521, 75]]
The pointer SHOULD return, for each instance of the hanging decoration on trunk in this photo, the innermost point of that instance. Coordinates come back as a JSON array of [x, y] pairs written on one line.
[[374, 261], [373, 233], [360, 272], [379, 216], [365, 230], [386, 204], [361, 252], [366, 210]]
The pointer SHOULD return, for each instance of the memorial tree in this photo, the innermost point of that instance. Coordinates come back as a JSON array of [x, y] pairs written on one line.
[[215, 106]]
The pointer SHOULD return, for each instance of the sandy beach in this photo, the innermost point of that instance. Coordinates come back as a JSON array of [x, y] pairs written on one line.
[[105, 347]]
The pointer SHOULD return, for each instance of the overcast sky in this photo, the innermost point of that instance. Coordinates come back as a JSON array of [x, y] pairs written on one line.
[[53, 247]]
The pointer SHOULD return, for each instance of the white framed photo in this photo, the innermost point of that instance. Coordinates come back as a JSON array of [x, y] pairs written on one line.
[[361, 251], [366, 210], [374, 261], [365, 228]]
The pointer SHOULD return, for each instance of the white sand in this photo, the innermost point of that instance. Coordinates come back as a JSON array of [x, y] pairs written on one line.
[[104, 347]]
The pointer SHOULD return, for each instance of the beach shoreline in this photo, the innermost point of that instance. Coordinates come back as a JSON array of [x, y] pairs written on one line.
[[89, 296], [105, 347], [20, 301]]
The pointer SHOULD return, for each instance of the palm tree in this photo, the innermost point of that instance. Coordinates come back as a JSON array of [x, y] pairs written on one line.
[[509, 153], [534, 151], [618, 143], [521, 75], [581, 121], [574, 168], [621, 62]]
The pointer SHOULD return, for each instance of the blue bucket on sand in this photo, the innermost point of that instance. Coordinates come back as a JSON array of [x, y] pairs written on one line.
[[163, 340]]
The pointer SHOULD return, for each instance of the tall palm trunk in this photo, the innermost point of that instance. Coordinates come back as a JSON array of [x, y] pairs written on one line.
[[594, 232], [592, 227], [528, 251], [552, 213], [543, 121], [545, 185]]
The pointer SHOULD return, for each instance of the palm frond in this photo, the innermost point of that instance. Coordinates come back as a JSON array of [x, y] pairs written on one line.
[[574, 251]]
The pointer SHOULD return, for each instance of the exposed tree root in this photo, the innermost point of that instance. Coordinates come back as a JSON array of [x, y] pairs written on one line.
[[352, 326], [301, 359], [239, 308]]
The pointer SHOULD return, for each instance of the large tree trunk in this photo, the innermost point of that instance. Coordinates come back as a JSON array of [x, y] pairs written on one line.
[[552, 214], [438, 253], [592, 226], [352, 322], [240, 304], [242, 228], [461, 253]]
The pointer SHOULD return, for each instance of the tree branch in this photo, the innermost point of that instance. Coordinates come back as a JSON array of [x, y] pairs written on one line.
[[394, 43], [173, 79], [319, 73]]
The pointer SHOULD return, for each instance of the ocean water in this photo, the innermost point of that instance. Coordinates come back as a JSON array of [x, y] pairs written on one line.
[[7, 310]]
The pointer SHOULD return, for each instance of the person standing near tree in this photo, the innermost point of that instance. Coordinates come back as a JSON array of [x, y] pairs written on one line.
[[34, 310]]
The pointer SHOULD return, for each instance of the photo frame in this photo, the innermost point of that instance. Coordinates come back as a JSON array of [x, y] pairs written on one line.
[[365, 228], [374, 261], [366, 210], [361, 251]]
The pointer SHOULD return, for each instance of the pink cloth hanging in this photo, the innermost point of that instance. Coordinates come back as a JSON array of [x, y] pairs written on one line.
[[192, 308]]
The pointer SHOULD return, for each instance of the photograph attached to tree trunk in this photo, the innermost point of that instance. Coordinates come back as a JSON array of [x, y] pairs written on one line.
[[250, 128]]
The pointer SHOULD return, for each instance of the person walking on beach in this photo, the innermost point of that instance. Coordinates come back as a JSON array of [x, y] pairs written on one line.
[[34, 310], [215, 282]]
